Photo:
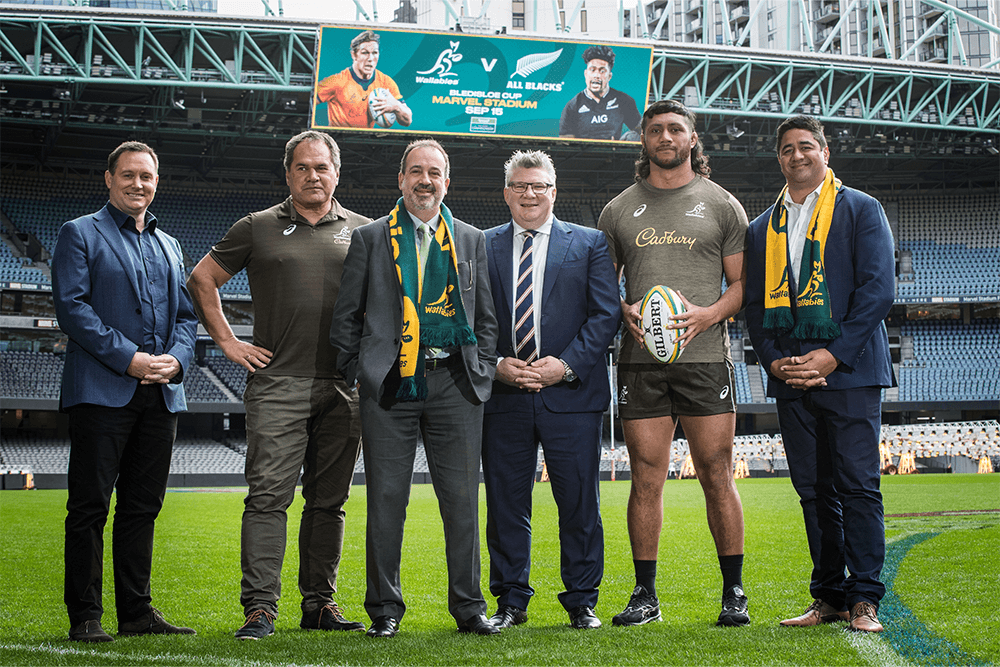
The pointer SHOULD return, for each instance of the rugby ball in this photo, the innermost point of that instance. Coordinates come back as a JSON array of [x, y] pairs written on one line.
[[383, 119], [657, 306]]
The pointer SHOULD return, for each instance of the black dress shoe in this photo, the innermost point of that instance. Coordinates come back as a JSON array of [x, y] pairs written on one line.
[[508, 617], [151, 623], [583, 618], [383, 626], [89, 632], [479, 625]]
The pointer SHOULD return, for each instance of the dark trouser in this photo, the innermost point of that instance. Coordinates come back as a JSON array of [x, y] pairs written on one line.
[[127, 447], [296, 424], [571, 443], [831, 441], [452, 433]]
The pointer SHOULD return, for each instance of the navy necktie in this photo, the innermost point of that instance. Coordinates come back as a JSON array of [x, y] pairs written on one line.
[[524, 311]]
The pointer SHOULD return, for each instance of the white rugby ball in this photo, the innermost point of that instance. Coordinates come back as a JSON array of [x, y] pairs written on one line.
[[384, 119], [657, 306]]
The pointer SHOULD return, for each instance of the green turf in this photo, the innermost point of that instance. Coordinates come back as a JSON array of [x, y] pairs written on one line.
[[948, 581]]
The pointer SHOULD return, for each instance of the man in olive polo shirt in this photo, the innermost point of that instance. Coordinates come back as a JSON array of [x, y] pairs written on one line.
[[300, 413]]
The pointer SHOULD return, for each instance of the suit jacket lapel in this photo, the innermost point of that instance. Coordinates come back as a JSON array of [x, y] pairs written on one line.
[[503, 250], [106, 227], [559, 243]]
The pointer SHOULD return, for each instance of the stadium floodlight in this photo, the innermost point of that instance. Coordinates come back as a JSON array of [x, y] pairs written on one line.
[[63, 94], [990, 148], [734, 132], [177, 101]]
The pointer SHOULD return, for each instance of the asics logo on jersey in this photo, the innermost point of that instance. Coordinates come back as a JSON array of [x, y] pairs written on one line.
[[289, 229], [639, 211], [697, 212], [724, 392]]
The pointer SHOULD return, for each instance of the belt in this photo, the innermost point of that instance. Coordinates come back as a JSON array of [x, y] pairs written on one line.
[[441, 362]]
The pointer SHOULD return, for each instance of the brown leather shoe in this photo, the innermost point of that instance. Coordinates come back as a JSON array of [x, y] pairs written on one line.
[[864, 619], [817, 613]]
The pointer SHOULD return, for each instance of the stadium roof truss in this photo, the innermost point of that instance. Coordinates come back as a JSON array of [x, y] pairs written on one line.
[[217, 80]]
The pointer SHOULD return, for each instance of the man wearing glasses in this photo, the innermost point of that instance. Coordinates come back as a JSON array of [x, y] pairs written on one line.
[[556, 299]]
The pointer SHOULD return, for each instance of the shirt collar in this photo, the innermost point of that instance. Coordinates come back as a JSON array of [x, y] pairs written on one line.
[[124, 220], [814, 193], [432, 223], [546, 227]]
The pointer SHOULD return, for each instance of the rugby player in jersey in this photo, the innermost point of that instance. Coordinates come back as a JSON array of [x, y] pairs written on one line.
[[346, 92], [599, 111]]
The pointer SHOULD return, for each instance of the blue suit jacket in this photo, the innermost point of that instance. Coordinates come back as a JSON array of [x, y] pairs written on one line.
[[96, 296], [860, 270], [580, 311]]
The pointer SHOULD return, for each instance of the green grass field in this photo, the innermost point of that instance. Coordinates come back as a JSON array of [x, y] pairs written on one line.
[[942, 608]]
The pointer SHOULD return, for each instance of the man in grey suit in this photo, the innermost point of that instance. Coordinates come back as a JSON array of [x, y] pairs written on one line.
[[424, 362]]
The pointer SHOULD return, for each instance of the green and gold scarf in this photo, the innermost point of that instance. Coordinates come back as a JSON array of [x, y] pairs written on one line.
[[433, 314], [813, 317]]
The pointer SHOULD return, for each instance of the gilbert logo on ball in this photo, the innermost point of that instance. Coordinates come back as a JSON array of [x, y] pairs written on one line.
[[657, 306], [382, 119]]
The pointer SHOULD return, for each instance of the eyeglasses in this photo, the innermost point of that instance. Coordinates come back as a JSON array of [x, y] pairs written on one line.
[[537, 188]]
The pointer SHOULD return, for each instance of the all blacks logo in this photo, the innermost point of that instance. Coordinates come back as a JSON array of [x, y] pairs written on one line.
[[659, 341]]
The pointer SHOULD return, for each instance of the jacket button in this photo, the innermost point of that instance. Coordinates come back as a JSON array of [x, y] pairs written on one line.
[[138, 311]]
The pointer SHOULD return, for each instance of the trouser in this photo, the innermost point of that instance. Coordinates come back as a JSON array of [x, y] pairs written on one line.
[[296, 424], [452, 433], [571, 443], [128, 448], [831, 442]]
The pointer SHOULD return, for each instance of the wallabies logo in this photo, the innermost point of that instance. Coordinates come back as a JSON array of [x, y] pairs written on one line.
[[442, 306]]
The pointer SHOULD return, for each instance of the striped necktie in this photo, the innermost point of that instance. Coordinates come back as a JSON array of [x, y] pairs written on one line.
[[524, 312]]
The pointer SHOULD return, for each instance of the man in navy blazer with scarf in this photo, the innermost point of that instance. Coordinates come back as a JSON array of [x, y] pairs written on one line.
[[819, 285], [118, 287], [557, 302]]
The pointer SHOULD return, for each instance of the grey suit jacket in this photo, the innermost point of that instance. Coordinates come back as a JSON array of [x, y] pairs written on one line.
[[368, 315]]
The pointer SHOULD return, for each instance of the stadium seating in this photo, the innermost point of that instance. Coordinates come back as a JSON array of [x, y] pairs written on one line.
[[30, 375], [951, 361]]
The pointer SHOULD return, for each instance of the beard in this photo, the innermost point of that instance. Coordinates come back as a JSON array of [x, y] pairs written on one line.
[[679, 159]]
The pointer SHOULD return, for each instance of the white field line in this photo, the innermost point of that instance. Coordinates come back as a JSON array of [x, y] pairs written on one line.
[[132, 657]]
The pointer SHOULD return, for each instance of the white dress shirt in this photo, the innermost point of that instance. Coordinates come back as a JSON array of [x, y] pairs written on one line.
[[799, 216], [540, 248]]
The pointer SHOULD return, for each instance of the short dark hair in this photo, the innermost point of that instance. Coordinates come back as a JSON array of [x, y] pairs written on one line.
[[809, 123], [366, 36], [131, 147], [601, 52], [699, 161], [312, 135], [425, 143]]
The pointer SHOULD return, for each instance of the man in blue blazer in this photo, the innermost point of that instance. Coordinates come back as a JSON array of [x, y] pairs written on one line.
[[118, 287], [557, 303], [819, 285]]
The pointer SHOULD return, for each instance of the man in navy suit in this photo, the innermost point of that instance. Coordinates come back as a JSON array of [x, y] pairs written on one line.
[[827, 379], [118, 287], [556, 299]]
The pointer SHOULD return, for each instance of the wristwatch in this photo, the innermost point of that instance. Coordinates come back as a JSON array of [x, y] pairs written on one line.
[[568, 374]]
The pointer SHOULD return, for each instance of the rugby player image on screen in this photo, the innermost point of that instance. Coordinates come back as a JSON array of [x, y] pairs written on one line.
[[599, 111], [360, 95]]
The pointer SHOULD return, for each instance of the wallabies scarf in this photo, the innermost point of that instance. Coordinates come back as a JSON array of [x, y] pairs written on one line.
[[433, 315], [813, 319]]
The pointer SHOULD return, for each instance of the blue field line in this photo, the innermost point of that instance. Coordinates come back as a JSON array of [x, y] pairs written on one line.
[[910, 638]]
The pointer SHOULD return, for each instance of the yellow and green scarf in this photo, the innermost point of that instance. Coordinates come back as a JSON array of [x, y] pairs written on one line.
[[433, 314], [813, 318]]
